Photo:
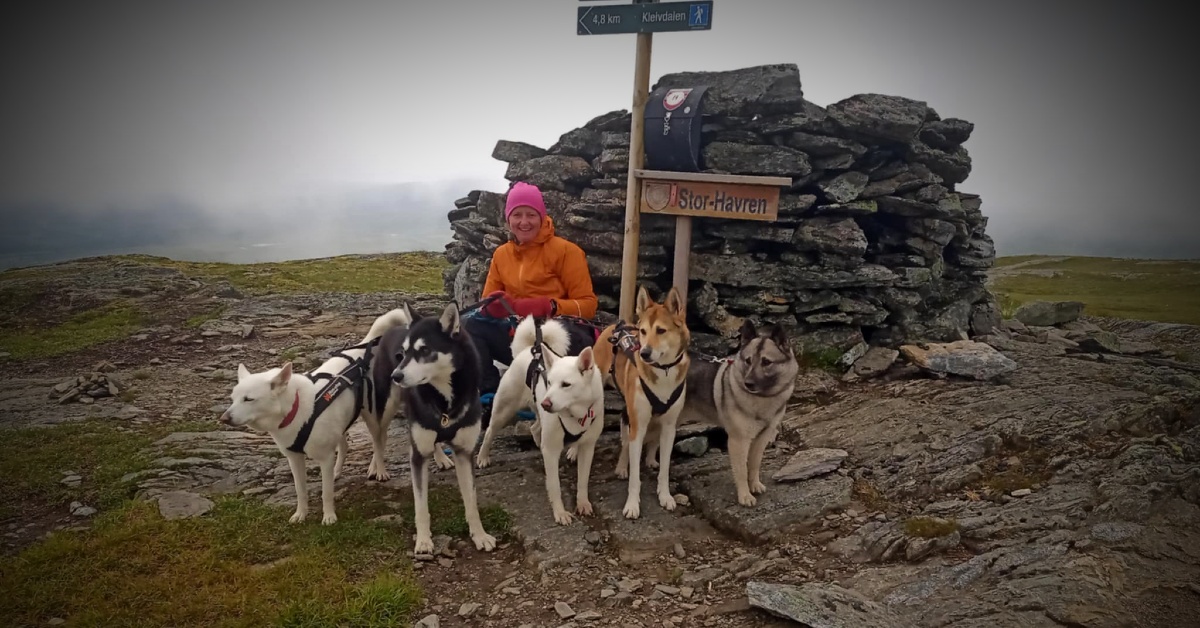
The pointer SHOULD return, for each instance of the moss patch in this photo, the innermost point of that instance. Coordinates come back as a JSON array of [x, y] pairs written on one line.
[[930, 527], [109, 322]]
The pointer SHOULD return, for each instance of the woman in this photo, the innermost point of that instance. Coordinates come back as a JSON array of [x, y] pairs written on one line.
[[535, 273]]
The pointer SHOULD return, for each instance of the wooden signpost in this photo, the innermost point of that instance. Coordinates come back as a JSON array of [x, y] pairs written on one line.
[[681, 194]]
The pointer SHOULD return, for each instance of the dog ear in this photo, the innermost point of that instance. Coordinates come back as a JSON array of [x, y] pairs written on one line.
[[674, 302], [643, 301], [586, 360], [412, 314], [243, 372], [451, 324], [780, 338], [282, 378], [748, 332]]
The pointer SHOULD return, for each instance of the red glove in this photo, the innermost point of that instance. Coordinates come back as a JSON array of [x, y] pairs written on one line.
[[534, 306], [495, 308], [541, 307]]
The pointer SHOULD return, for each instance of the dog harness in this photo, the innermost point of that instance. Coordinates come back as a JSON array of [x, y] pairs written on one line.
[[353, 376], [623, 339]]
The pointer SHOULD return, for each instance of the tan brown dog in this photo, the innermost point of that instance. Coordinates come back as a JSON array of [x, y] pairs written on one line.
[[652, 379]]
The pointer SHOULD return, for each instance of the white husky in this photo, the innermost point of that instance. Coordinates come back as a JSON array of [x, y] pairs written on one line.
[[568, 396], [282, 403]]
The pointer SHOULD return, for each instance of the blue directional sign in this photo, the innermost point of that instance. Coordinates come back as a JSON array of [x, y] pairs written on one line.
[[657, 17]]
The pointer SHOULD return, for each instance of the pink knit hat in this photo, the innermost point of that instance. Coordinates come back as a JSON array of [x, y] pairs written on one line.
[[522, 194]]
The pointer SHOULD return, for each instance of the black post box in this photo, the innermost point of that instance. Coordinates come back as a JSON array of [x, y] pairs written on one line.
[[672, 128]]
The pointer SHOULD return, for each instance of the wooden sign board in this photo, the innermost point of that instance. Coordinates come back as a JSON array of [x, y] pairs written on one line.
[[704, 195]]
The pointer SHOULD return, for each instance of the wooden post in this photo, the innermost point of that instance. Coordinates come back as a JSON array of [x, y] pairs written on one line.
[[633, 191], [683, 247]]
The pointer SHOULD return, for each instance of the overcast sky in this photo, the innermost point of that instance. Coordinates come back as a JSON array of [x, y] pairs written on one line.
[[1082, 141]]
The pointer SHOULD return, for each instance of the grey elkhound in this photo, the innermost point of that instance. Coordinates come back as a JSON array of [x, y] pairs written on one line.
[[745, 394]]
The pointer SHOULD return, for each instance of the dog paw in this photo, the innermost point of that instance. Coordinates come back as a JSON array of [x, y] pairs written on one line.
[[622, 473], [632, 511], [757, 488], [329, 519], [482, 460], [563, 517], [299, 516], [443, 463], [746, 499], [484, 542], [572, 454], [423, 546], [652, 464], [584, 509], [666, 501]]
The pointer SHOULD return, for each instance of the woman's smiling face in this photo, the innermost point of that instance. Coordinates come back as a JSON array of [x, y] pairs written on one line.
[[524, 223]]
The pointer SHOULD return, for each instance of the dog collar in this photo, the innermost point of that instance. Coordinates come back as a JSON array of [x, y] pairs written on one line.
[[287, 420], [667, 367]]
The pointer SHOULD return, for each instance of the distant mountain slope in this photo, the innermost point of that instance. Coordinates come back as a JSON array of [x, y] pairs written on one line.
[[359, 219]]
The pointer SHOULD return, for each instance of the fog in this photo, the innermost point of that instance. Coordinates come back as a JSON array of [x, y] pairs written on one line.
[[238, 125]]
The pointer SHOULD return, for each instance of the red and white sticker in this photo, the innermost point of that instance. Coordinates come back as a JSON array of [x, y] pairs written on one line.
[[674, 98]]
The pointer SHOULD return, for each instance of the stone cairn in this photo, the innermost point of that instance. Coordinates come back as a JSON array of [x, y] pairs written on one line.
[[873, 243]]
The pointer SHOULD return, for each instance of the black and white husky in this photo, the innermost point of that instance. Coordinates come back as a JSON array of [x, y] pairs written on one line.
[[439, 380]]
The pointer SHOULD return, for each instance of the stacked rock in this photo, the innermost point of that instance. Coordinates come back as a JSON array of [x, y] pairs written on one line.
[[873, 241]]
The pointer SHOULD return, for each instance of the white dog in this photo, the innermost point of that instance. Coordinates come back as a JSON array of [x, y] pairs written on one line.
[[568, 395], [286, 406]]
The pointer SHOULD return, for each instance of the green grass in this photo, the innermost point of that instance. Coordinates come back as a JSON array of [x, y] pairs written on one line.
[[33, 460], [196, 321], [240, 565], [1164, 291], [419, 271], [112, 321]]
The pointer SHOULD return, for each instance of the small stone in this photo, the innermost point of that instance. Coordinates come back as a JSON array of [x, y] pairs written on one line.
[[56, 621], [808, 463], [564, 610], [1021, 492], [682, 500], [678, 549], [468, 608], [686, 592], [72, 480], [607, 593], [588, 616], [156, 361], [429, 621], [667, 589]]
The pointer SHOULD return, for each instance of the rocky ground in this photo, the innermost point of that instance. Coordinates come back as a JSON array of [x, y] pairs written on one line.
[[1061, 489]]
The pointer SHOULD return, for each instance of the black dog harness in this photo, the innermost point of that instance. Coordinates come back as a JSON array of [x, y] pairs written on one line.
[[353, 376], [537, 370], [623, 339]]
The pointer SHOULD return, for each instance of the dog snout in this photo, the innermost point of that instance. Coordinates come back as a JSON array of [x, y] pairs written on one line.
[[547, 405], [647, 352], [751, 386], [398, 376], [225, 418]]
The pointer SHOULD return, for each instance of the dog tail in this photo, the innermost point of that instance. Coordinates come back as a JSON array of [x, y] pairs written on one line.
[[394, 318], [554, 336]]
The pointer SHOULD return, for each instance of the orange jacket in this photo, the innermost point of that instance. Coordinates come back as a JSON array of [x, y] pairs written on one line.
[[549, 266]]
